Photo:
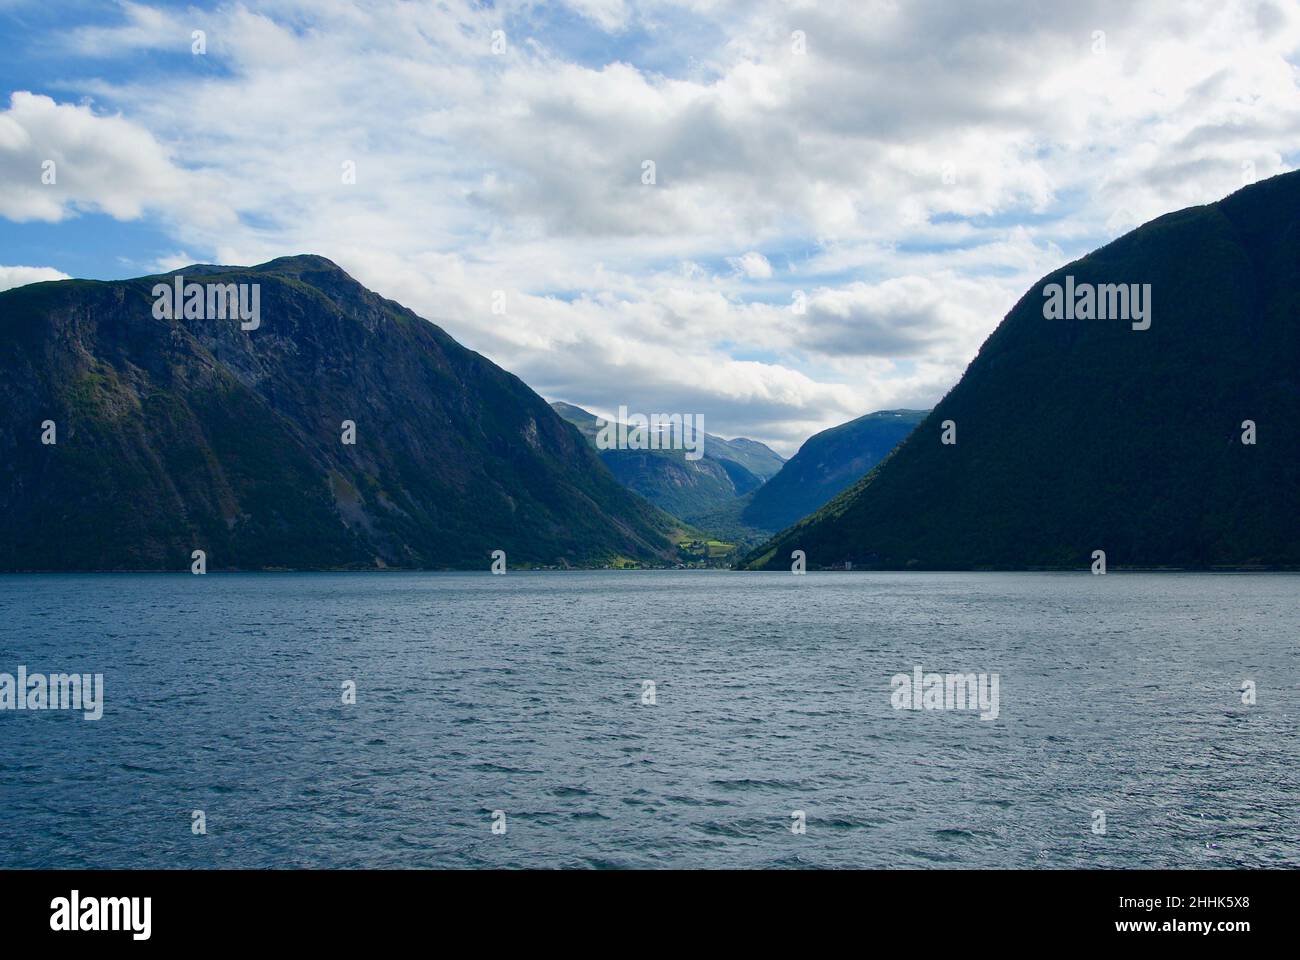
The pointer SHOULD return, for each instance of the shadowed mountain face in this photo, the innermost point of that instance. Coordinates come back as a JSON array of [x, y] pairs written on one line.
[[176, 435], [827, 463], [1075, 435], [685, 488]]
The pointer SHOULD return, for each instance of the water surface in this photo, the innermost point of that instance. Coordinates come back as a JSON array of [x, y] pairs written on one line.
[[523, 694]]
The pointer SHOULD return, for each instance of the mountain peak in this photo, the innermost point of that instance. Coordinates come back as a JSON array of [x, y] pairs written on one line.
[[826, 464], [342, 431], [300, 263], [1069, 435]]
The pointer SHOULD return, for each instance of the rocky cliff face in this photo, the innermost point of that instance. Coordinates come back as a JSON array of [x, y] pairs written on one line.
[[179, 434]]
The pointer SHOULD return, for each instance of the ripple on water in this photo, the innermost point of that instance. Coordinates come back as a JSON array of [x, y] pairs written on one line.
[[475, 697]]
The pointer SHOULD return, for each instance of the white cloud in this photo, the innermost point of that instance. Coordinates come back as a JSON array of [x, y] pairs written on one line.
[[913, 172], [753, 265], [145, 28], [57, 159], [610, 15], [21, 276]]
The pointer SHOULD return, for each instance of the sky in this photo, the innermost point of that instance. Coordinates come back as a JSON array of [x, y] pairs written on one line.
[[845, 198]]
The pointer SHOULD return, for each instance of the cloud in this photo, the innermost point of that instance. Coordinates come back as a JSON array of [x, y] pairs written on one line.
[[910, 316], [59, 159], [753, 265], [145, 28], [21, 276], [911, 168], [609, 15]]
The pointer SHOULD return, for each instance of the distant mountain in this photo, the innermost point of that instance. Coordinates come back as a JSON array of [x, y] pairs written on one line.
[[181, 434], [827, 463], [1075, 435], [757, 458], [685, 488]]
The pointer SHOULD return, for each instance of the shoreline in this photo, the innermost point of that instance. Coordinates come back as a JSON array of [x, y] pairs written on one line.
[[272, 571]]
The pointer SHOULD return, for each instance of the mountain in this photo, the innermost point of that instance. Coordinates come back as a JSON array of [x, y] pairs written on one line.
[[175, 435], [1076, 435], [827, 463], [757, 458], [685, 488]]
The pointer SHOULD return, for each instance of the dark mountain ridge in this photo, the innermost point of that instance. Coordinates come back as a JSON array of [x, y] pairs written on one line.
[[175, 435], [1075, 435], [826, 464]]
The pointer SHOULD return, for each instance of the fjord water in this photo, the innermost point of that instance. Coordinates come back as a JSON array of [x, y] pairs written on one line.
[[523, 693]]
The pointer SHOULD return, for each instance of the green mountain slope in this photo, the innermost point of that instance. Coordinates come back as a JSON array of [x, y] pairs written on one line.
[[827, 463], [1082, 435], [756, 457], [175, 435]]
